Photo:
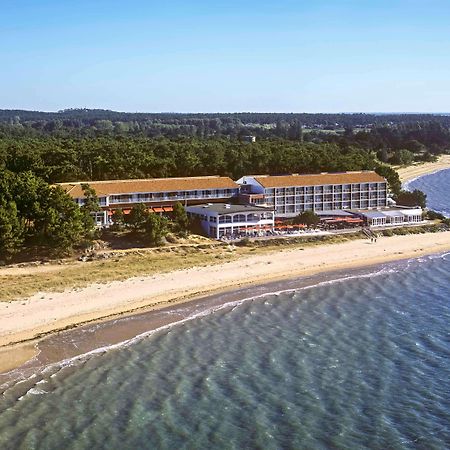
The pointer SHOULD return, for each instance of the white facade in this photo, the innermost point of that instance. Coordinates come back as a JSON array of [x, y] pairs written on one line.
[[219, 220], [291, 200], [394, 217]]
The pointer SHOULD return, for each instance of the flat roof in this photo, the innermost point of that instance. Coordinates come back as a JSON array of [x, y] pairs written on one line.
[[226, 208], [393, 213], [373, 214], [116, 187], [272, 181], [335, 213]]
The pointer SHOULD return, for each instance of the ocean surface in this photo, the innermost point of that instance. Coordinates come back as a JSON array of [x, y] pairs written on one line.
[[355, 360], [437, 188], [360, 362]]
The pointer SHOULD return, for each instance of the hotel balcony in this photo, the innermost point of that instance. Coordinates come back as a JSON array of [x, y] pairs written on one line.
[[174, 198]]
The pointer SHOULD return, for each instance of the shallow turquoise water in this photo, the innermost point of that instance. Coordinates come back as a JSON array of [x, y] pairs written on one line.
[[361, 363]]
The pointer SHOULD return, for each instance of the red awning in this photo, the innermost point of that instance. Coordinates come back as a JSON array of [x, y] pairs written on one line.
[[158, 210], [168, 208]]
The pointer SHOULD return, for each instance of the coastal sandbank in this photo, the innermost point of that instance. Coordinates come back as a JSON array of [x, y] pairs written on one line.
[[416, 170], [45, 313]]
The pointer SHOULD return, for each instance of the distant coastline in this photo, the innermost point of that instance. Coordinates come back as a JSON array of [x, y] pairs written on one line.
[[414, 171]]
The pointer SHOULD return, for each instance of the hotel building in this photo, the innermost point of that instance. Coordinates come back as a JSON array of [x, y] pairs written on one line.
[[397, 216], [290, 195], [158, 194], [220, 219]]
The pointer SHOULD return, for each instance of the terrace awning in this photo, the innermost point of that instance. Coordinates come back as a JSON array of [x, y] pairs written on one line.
[[393, 213], [158, 210]]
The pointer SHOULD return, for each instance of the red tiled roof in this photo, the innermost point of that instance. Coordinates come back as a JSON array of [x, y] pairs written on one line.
[[117, 187], [269, 181]]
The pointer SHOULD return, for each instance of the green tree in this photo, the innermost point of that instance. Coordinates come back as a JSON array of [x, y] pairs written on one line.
[[138, 216], [309, 218], [62, 223], [35, 213], [414, 198], [156, 228], [391, 175], [180, 218], [434, 215], [11, 229], [90, 206], [403, 157], [118, 218]]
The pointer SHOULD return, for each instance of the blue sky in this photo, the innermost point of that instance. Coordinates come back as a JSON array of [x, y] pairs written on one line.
[[219, 56]]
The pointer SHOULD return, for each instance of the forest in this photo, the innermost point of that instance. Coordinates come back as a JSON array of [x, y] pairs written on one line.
[[295, 126], [40, 149]]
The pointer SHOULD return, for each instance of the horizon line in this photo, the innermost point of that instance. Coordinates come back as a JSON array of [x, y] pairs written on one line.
[[229, 112]]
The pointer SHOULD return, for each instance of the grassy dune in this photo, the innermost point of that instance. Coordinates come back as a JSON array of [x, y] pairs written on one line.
[[22, 283]]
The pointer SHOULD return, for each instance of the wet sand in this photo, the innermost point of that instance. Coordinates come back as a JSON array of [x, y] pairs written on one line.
[[176, 293], [60, 349]]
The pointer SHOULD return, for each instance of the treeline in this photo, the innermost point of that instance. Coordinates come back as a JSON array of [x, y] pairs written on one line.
[[93, 123], [401, 144], [36, 215], [33, 214], [58, 160]]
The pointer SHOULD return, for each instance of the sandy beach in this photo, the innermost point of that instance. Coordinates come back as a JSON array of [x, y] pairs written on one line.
[[49, 312], [416, 170]]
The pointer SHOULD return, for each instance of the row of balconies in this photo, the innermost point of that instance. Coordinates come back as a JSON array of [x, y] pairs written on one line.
[[311, 200], [330, 206], [319, 190], [372, 193], [142, 199]]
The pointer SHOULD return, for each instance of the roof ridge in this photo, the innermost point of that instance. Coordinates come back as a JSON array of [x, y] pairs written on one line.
[[344, 172], [134, 180]]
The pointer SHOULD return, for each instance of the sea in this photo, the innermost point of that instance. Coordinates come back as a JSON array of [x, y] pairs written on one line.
[[347, 360], [437, 188]]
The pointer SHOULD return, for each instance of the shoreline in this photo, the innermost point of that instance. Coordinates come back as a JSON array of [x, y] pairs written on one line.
[[77, 345], [410, 173], [47, 315]]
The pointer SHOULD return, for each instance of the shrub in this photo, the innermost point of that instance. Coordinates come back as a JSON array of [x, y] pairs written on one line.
[[434, 215]]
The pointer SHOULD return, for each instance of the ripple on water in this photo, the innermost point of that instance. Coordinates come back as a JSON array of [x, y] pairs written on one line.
[[360, 363]]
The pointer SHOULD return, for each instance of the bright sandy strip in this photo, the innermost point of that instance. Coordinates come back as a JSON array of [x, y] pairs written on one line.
[[417, 170], [47, 312]]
